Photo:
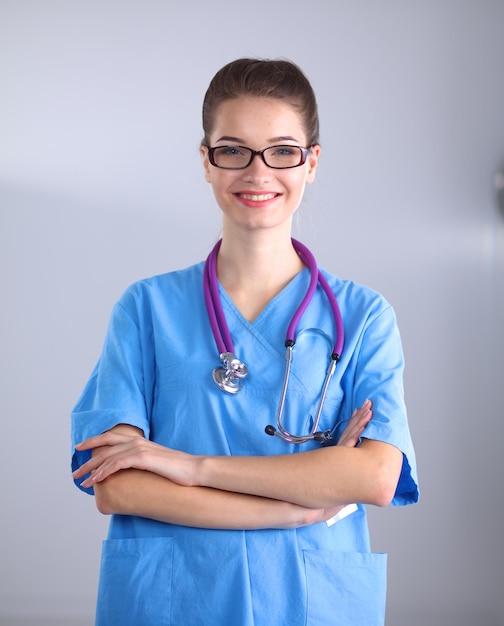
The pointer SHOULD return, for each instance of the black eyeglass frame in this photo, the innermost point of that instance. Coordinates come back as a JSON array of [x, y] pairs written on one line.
[[253, 153]]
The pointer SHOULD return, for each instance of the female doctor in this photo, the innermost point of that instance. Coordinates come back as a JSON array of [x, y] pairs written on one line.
[[213, 521]]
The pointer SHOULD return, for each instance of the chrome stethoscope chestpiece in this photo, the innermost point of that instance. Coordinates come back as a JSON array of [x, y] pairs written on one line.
[[229, 376]]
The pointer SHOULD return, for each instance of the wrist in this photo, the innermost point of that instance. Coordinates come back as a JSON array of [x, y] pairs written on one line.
[[218, 472], [203, 471]]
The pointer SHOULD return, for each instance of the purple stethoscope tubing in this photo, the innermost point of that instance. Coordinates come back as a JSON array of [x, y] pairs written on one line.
[[229, 376], [316, 276], [216, 316]]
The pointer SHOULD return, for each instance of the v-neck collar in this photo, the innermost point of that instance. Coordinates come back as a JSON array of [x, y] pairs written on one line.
[[302, 276]]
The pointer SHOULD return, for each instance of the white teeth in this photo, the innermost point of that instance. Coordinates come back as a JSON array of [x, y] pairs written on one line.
[[259, 198]]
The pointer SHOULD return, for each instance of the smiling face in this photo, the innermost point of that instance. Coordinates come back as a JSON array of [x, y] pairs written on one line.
[[258, 197]]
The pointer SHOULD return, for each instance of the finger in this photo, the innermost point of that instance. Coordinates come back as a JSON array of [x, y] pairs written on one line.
[[361, 422], [88, 467], [112, 459], [366, 406], [353, 434], [103, 471], [356, 425], [89, 482], [99, 457], [364, 413], [108, 438]]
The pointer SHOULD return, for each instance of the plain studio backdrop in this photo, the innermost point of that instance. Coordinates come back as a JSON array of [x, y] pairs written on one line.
[[101, 184]]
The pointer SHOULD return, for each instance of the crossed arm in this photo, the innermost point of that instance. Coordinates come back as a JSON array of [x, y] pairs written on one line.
[[132, 475]]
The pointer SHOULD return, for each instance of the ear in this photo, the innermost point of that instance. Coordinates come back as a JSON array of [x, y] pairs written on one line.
[[312, 162], [206, 162]]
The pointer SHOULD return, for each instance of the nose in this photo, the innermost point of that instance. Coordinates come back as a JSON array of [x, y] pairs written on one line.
[[257, 171]]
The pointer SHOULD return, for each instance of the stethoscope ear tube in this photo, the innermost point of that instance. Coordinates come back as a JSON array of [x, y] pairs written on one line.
[[280, 431]]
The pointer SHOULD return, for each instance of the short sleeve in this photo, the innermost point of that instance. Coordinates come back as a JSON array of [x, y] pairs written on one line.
[[379, 377], [116, 392]]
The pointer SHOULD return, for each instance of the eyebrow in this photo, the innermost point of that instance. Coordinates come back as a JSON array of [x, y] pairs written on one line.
[[272, 140]]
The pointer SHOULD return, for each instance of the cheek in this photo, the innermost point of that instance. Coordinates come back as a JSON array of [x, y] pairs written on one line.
[[300, 183], [222, 180]]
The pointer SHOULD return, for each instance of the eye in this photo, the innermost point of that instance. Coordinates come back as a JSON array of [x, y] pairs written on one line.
[[285, 151], [230, 151]]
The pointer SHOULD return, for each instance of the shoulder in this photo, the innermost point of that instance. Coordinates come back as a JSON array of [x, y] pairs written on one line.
[[165, 286], [149, 297], [365, 311], [354, 297]]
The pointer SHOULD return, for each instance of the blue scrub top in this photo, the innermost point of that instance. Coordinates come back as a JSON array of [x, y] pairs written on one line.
[[155, 373]]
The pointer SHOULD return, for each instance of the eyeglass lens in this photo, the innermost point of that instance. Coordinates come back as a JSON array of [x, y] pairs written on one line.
[[238, 157]]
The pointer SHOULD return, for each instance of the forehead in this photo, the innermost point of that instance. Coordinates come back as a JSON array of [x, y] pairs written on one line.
[[257, 119]]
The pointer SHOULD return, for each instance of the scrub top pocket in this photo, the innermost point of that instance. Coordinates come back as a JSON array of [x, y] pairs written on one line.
[[135, 582], [345, 588]]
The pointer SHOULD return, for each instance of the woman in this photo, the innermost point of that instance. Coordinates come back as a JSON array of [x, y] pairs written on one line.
[[213, 521]]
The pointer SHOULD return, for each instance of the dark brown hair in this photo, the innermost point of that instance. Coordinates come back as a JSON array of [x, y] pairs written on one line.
[[275, 78]]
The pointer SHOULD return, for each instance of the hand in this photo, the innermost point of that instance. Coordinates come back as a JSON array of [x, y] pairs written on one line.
[[355, 427], [115, 451], [349, 438]]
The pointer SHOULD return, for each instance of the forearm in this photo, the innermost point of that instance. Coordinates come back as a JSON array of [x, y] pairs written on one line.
[[327, 477], [137, 492], [319, 479]]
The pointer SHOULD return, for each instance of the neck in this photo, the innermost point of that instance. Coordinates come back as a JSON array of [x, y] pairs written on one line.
[[254, 268], [261, 259]]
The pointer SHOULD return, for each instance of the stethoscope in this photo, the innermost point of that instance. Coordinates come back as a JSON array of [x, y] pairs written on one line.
[[230, 374]]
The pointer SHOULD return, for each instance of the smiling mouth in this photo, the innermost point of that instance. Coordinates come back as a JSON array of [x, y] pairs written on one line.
[[257, 197]]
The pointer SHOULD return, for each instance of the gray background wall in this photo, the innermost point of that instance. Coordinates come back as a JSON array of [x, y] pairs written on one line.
[[101, 184]]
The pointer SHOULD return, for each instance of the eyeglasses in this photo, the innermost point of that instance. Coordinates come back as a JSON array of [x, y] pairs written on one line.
[[240, 157]]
